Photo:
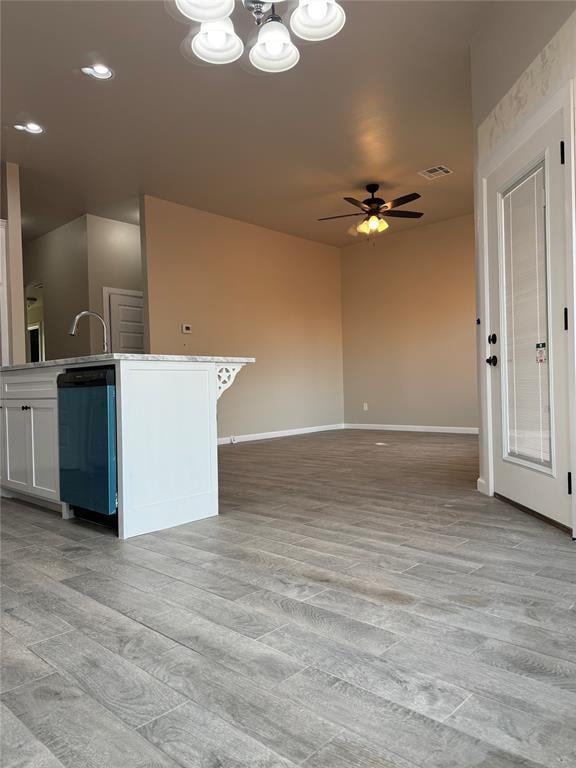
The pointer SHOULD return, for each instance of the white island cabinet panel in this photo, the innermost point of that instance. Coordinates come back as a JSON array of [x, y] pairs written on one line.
[[167, 445]]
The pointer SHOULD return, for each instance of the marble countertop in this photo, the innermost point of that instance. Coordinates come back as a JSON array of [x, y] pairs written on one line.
[[111, 357]]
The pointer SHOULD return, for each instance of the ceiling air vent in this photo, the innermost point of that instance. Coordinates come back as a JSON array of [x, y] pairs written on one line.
[[435, 172]]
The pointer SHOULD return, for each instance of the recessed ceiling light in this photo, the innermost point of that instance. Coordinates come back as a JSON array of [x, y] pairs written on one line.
[[98, 72], [29, 127]]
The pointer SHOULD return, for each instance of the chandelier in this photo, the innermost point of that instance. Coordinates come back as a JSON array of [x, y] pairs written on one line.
[[216, 42]]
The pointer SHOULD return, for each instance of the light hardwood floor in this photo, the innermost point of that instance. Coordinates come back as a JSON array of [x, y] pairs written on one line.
[[356, 605]]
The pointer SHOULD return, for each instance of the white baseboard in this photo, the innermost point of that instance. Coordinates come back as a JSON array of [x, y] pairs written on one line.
[[280, 433], [329, 427], [414, 428], [482, 486], [37, 501]]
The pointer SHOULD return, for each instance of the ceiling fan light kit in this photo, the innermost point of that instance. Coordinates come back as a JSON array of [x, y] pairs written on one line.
[[372, 225], [217, 43]]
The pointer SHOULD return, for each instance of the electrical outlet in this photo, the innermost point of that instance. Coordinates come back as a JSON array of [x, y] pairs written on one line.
[[186, 328], [365, 406]]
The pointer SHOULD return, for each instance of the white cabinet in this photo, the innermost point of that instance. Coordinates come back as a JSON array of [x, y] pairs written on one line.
[[15, 440], [44, 465], [30, 447]]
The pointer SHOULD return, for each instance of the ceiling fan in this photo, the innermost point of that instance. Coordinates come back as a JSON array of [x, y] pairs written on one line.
[[374, 209]]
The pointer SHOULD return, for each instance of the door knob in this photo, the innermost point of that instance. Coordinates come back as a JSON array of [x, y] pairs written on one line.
[[492, 339], [493, 360]]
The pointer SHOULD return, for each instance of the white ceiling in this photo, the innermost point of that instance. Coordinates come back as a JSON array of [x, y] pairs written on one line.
[[387, 97]]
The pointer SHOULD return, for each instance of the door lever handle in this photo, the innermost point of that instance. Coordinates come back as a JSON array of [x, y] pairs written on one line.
[[492, 360]]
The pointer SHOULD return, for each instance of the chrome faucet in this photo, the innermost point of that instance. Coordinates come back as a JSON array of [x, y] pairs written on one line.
[[88, 313]]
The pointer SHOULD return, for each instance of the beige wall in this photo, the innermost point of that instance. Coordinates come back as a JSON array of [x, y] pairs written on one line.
[[409, 327], [58, 260], [248, 291], [113, 261], [406, 305]]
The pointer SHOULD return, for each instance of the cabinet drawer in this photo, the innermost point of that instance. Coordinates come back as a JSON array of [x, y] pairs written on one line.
[[39, 383]]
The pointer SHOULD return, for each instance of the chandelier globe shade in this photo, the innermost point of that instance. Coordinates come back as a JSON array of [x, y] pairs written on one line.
[[317, 20], [274, 51], [217, 43], [205, 10]]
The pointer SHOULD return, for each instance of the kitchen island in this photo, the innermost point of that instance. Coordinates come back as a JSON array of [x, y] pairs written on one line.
[[165, 442]]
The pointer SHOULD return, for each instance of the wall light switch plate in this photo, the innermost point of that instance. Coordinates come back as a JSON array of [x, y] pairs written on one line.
[[186, 328], [365, 406]]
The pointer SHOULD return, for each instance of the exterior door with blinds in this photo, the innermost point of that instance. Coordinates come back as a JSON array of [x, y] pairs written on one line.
[[527, 338]]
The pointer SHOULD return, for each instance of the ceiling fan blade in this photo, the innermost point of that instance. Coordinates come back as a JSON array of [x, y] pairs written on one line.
[[389, 204], [357, 203], [402, 214], [343, 216]]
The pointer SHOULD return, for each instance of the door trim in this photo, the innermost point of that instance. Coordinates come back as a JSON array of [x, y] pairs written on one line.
[[563, 100], [4, 321]]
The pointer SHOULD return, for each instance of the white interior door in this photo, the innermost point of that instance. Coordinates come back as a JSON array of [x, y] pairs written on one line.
[[126, 310], [528, 267]]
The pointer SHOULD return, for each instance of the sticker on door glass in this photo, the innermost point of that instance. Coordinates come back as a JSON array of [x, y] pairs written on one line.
[[541, 354]]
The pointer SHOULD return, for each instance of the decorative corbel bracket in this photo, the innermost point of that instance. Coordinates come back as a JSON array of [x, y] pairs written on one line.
[[226, 375]]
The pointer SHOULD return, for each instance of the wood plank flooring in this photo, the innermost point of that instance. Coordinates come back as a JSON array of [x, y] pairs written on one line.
[[357, 604]]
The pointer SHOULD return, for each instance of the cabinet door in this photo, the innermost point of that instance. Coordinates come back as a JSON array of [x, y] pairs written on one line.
[[15, 445], [43, 470]]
